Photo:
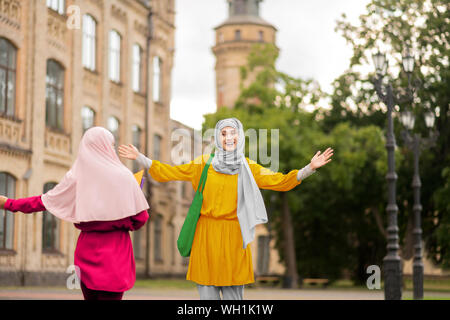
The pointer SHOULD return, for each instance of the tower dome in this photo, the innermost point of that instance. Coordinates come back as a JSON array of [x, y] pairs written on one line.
[[234, 40]]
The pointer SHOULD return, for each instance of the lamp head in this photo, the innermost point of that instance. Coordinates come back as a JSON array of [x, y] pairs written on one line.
[[407, 119], [379, 60], [429, 119], [408, 61]]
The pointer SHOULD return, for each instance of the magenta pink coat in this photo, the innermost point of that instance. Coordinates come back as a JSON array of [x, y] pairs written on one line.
[[104, 252]]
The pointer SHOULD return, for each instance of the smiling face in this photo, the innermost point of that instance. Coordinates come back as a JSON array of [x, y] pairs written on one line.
[[229, 137]]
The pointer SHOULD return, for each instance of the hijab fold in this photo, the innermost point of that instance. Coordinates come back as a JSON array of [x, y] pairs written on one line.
[[251, 210], [98, 187]]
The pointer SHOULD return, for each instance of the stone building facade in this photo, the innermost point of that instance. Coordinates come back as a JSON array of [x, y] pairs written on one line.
[[67, 65]]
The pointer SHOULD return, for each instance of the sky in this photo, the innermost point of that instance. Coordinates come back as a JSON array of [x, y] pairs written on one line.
[[309, 47]]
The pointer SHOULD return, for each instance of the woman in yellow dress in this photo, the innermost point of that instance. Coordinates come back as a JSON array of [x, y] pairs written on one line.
[[221, 259]]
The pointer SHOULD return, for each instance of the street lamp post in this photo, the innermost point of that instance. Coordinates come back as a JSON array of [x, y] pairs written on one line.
[[391, 262], [416, 143]]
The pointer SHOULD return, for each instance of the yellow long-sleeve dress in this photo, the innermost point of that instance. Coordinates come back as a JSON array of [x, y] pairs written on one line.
[[217, 257]]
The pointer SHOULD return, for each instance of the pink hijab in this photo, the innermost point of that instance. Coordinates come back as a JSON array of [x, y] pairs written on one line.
[[98, 187]]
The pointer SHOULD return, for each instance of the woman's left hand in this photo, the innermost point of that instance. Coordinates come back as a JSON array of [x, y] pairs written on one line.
[[3, 200], [320, 160]]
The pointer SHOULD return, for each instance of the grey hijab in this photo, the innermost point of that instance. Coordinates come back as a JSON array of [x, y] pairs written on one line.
[[251, 210]]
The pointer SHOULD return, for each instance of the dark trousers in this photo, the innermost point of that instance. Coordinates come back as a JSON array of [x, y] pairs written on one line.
[[90, 294]]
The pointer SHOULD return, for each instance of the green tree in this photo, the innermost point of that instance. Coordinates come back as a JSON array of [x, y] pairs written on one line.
[[330, 223], [393, 25]]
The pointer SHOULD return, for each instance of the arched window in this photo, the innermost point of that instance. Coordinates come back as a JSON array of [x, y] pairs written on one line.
[[8, 55], [261, 36], [56, 5], [114, 55], [237, 35], [50, 226], [157, 79], [221, 38], [89, 41], [173, 243], [137, 68], [54, 95], [114, 127], [87, 118], [137, 142], [158, 221], [157, 139], [263, 254], [8, 189], [137, 244]]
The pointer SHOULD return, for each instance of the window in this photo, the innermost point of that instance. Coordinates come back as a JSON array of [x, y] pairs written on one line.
[[183, 189], [173, 243], [54, 95], [237, 35], [87, 118], [50, 226], [158, 238], [114, 56], [137, 244], [56, 5], [157, 83], [137, 68], [261, 36], [263, 254], [157, 146], [8, 189], [89, 42], [221, 38], [184, 185], [136, 140], [7, 77], [114, 127]]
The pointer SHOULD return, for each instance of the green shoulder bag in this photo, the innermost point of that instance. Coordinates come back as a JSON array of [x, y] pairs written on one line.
[[186, 237]]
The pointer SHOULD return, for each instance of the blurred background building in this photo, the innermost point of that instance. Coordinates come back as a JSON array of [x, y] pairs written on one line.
[[68, 65]]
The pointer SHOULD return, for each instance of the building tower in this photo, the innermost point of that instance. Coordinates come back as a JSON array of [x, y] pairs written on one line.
[[234, 39]]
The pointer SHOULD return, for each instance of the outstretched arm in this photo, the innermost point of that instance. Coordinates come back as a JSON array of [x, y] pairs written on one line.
[[159, 171], [131, 152], [25, 205], [277, 181], [320, 160], [317, 161]]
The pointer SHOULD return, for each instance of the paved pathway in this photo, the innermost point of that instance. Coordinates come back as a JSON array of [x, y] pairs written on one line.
[[61, 293]]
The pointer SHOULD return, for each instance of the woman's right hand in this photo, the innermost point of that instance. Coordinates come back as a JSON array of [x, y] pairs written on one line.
[[3, 200], [128, 151]]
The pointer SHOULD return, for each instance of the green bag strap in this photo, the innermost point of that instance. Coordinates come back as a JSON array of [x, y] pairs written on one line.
[[201, 184]]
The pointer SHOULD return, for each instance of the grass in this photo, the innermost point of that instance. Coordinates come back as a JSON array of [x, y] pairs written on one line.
[[430, 298], [442, 285], [161, 283]]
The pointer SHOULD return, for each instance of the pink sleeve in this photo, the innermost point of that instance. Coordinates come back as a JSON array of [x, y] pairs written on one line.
[[25, 205], [139, 220]]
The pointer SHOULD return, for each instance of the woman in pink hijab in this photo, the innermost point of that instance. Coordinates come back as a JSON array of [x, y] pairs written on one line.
[[102, 198]]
